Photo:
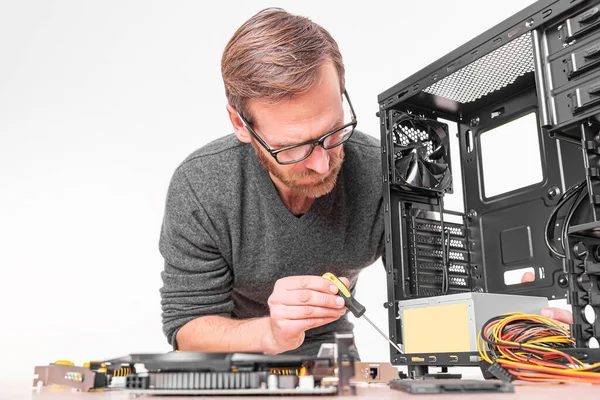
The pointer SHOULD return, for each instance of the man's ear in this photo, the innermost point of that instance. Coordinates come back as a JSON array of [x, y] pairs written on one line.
[[238, 125]]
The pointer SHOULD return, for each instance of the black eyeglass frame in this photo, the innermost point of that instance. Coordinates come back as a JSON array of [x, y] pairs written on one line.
[[313, 143]]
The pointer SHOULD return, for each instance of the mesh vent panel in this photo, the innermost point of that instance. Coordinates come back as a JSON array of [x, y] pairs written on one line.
[[437, 280], [491, 72], [438, 254], [456, 243], [426, 258], [425, 226], [437, 266]]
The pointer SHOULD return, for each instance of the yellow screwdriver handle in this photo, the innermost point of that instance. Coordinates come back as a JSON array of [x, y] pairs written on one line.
[[336, 281], [351, 303]]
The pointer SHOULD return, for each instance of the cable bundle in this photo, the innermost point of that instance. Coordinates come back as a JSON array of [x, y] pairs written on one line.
[[527, 347]]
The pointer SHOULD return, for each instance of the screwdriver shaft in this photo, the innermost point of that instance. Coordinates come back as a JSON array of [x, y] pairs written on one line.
[[383, 334]]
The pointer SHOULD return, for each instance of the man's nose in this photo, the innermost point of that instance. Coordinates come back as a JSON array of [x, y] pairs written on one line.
[[318, 160]]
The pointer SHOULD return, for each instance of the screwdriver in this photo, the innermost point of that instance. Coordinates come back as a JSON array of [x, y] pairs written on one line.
[[354, 306]]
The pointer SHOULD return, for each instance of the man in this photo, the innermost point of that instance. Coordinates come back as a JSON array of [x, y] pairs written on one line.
[[254, 219]]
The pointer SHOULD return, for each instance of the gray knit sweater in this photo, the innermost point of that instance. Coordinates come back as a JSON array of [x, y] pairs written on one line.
[[227, 236]]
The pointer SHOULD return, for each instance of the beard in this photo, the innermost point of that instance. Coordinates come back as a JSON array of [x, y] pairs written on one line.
[[314, 189]]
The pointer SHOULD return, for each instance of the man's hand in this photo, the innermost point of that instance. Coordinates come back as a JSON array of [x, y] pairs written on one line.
[[558, 314], [299, 303]]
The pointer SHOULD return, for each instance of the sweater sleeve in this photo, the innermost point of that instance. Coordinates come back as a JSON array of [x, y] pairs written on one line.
[[197, 281]]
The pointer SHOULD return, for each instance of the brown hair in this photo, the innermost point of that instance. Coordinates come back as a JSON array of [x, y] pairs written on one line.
[[276, 55]]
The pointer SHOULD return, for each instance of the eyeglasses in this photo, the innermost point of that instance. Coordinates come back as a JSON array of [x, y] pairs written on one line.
[[298, 152]]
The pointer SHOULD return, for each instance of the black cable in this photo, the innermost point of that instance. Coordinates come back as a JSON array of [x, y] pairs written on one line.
[[445, 253], [444, 263], [549, 228], [447, 264], [583, 194]]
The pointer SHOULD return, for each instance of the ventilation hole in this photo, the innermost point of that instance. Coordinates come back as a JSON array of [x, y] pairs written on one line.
[[589, 314], [518, 276]]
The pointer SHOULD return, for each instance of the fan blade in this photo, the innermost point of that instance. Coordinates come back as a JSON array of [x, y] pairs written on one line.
[[404, 163], [436, 169], [428, 179], [438, 153], [414, 176]]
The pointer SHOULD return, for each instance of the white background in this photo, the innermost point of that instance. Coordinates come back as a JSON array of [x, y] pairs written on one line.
[[99, 102]]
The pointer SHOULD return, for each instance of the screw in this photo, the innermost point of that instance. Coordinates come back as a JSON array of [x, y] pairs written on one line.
[[563, 281], [472, 215], [474, 122], [553, 192], [580, 250]]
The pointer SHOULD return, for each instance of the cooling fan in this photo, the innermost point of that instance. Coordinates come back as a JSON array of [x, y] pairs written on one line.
[[421, 153]]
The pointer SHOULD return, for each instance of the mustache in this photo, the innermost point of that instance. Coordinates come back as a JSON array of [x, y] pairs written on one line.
[[334, 160], [306, 174]]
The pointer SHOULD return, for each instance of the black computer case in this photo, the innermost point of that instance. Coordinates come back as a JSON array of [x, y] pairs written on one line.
[[540, 65]]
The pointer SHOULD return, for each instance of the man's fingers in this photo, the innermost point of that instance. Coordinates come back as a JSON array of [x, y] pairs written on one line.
[[528, 277], [307, 298], [306, 312], [310, 282], [558, 314]]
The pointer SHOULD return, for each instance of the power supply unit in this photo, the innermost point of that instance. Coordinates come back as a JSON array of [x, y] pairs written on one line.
[[450, 324]]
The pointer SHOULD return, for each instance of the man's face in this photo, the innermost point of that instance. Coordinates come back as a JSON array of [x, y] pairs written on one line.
[[297, 120]]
